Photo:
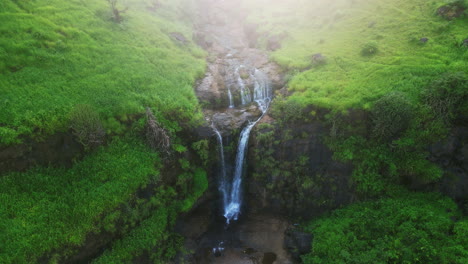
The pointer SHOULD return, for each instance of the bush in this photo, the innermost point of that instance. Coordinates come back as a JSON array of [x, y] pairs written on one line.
[[409, 228], [391, 115], [156, 136], [370, 48], [87, 126], [447, 96], [285, 110]]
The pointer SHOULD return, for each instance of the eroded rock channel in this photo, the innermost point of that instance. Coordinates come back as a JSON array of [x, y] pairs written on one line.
[[236, 92]]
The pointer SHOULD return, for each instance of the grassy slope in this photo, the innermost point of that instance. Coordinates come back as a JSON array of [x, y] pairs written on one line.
[[57, 54], [47, 208], [338, 29], [407, 228]]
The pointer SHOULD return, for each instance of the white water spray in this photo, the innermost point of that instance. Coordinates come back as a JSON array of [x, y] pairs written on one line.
[[233, 199]]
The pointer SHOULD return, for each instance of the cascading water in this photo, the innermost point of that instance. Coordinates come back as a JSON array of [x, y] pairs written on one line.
[[232, 193], [223, 181], [246, 97]]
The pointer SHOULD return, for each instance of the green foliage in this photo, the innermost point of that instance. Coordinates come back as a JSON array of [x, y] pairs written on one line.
[[370, 48], [448, 95], [202, 147], [391, 115], [350, 80], [56, 54], [406, 228], [86, 126], [287, 110], [49, 208]]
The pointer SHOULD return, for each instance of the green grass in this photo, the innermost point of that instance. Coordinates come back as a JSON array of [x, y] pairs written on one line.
[[49, 208], [405, 228], [57, 54], [339, 29], [152, 236]]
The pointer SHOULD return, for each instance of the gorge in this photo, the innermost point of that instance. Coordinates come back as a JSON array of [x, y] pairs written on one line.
[[233, 131]]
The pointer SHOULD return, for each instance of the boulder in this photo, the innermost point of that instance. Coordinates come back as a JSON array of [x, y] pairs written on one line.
[[424, 40], [451, 10], [318, 59], [297, 242], [179, 37], [465, 43]]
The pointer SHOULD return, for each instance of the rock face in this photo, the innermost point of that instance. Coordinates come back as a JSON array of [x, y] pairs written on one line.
[[451, 155], [293, 171], [452, 10], [297, 242], [59, 150]]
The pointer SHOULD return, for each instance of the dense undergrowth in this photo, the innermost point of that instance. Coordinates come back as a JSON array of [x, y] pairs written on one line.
[[75, 65], [392, 79], [48, 209], [396, 60], [55, 55], [405, 228], [340, 30]]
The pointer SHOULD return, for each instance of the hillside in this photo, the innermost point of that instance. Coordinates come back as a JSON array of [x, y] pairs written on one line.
[[234, 131], [58, 55]]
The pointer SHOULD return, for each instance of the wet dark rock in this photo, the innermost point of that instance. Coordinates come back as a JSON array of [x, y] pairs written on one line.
[[293, 187], [269, 258], [274, 42], [465, 43], [235, 119], [452, 10], [318, 59], [297, 242], [451, 155], [424, 40], [57, 150], [179, 37], [201, 40]]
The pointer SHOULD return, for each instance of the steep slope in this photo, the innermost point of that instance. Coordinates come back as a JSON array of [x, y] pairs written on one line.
[[58, 55]]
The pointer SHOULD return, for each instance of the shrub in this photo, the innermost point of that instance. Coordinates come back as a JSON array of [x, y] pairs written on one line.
[[156, 136], [203, 150], [287, 110], [391, 115], [447, 96], [116, 12], [410, 228], [87, 126], [370, 48]]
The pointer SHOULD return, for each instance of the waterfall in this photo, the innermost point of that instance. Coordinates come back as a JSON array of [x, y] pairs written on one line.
[[246, 97], [223, 181], [231, 100], [233, 196]]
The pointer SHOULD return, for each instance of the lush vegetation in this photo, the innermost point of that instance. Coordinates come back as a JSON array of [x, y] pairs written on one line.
[[93, 67], [396, 60], [406, 228], [47, 208], [371, 47], [56, 55], [389, 78]]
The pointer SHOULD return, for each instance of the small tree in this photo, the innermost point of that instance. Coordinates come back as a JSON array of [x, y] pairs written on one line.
[[370, 48], [87, 126], [116, 12], [156, 136], [447, 95], [391, 116]]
